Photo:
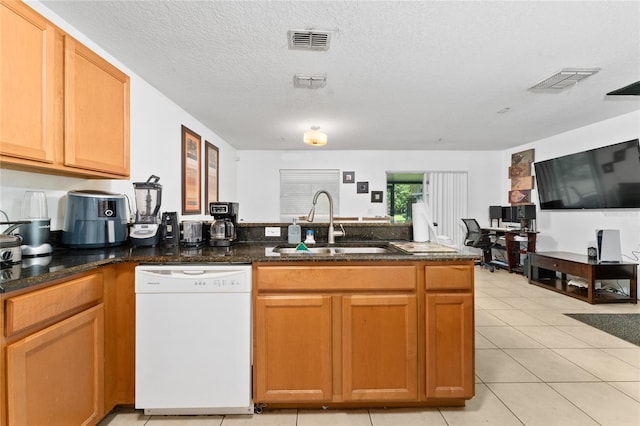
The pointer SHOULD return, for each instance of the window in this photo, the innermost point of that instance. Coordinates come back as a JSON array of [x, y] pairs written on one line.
[[403, 189], [297, 188], [444, 193]]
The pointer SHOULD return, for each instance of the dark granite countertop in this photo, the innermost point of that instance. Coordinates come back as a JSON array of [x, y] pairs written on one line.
[[66, 261]]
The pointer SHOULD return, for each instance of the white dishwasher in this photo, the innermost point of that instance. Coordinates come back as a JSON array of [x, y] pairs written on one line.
[[193, 339]]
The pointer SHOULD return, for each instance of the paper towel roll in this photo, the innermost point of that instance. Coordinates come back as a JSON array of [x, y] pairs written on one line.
[[420, 224]]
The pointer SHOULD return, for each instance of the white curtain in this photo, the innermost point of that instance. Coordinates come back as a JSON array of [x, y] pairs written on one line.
[[446, 198]]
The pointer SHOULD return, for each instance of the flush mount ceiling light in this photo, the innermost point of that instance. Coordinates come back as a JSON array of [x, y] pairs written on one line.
[[307, 81], [309, 39], [314, 137], [564, 78]]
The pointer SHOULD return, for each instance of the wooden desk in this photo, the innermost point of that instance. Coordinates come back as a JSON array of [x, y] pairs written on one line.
[[553, 270], [516, 241]]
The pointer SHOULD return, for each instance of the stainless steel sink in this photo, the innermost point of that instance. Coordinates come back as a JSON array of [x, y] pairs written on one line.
[[337, 250]]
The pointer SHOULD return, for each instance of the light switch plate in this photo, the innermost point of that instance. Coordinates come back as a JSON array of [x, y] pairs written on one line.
[[271, 231]]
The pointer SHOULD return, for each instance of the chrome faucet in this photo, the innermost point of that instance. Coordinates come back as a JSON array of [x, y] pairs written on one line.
[[332, 234]]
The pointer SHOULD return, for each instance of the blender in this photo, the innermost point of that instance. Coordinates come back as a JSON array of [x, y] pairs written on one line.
[[35, 233], [145, 231]]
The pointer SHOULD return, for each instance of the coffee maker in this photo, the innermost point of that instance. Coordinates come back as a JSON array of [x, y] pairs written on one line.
[[146, 231], [223, 229]]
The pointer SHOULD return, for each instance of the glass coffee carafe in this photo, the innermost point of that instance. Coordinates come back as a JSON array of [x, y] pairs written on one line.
[[223, 231]]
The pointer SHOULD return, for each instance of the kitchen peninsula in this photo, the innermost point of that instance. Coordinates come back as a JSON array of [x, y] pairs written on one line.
[[392, 329]]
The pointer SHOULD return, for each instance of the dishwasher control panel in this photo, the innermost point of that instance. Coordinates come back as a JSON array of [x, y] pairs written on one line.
[[193, 278]]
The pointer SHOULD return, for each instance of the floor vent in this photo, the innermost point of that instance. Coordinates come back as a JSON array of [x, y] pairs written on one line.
[[309, 40], [564, 78]]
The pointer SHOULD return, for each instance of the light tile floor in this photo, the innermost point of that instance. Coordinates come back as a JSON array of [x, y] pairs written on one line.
[[534, 366]]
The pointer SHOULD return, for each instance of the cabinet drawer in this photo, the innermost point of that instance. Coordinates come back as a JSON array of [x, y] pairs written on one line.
[[559, 265], [336, 278], [30, 309], [448, 277]]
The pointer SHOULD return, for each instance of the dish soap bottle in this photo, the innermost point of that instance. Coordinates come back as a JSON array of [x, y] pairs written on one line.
[[294, 233]]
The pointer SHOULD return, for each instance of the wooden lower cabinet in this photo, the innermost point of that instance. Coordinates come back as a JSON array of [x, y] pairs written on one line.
[[119, 334], [449, 345], [379, 348], [292, 357], [330, 334], [55, 376], [449, 330]]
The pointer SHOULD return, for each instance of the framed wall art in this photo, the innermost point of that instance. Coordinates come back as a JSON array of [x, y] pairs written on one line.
[[522, 157], [348, 177], [211, 174], [519, 170], [191, 160], [519, 196], [522, 182], [376, 196], [363, 188]]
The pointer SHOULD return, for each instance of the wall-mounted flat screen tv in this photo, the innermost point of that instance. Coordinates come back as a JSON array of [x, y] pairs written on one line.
[[601, 178]]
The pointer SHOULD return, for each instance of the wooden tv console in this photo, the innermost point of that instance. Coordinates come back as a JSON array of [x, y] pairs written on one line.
[[553, 270]]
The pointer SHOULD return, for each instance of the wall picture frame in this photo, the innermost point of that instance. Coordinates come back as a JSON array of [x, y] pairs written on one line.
[[376, 196], [348, 177], [519, 197], [362, 187], [520, 170], [191, 172], [523, 157], [522, 182], [211, 174]]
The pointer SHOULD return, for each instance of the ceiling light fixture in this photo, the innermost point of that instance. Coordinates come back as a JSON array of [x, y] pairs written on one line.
[[565, 77], [314, 137]]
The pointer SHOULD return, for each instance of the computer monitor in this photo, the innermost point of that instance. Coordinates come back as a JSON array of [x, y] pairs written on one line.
[[495, 212], [509, 214]]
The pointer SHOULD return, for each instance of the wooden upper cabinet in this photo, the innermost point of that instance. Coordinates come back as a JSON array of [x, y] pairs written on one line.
[[96, 111], [27, 77], [63, 109]]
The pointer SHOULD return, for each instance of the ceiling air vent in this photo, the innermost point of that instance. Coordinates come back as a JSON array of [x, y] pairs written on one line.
[[309, 39], [564, 78], [310, 81]]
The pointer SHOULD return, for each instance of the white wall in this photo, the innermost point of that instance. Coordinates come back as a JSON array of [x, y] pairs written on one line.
[[155, 149], [574, 230], [252, 177], [258, 177]]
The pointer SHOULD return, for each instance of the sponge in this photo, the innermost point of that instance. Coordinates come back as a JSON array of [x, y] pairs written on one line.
[[301, 247]]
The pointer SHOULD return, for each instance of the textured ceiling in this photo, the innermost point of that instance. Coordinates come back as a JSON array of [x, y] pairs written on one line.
[[400, 74]]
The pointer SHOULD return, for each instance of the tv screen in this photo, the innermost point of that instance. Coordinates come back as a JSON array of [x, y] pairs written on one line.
[[601, 178]]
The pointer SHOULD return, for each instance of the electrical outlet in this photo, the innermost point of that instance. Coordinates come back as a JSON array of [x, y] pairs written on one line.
[[271, 231]]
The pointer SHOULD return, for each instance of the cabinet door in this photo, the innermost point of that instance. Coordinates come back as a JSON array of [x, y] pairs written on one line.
[[55, 376], [96, 107], [449, 341], [379, 347], [292, 348], [27, 47]]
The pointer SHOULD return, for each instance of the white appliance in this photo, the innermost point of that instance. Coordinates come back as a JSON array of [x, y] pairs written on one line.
[[193, 339], [609, 248]]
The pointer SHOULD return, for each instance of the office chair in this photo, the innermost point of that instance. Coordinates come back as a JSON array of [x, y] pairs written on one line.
[[479, 239]]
